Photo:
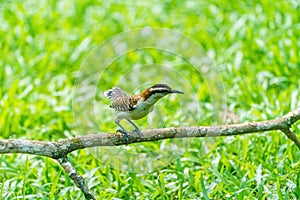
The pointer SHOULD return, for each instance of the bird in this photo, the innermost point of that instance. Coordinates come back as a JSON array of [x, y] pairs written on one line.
[[136, 106]]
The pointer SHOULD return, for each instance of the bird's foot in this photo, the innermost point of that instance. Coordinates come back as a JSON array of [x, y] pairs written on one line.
[[125, 133], [139, 132]]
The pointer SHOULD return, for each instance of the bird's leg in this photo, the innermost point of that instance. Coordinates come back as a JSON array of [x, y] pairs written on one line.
[[136, 128], [122, 130]]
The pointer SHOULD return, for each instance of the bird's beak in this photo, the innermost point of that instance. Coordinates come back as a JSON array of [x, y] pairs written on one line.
[[177, 91]]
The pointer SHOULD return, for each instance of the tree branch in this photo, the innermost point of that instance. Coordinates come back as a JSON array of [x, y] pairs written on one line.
[[64, 147], [292, 136], [78, 180], [59, 150]]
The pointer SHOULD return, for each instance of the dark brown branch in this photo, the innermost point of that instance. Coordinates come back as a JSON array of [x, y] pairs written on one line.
[[59, 150]]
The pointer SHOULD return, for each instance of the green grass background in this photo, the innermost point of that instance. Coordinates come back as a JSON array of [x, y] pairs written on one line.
[[254, 44]]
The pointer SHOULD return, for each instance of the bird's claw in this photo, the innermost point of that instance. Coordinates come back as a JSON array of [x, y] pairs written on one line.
[[139, 132], [125, 133]]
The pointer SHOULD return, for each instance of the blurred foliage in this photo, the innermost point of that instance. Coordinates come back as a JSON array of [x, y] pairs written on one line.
[[254, 44]]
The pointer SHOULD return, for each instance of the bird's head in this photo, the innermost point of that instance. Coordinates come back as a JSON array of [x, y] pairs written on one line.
[[159, 90]]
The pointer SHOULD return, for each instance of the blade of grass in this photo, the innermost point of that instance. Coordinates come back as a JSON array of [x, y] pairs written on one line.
[[204, 190]]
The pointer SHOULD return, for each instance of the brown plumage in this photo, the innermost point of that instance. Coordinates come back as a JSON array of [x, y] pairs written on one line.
[[127, 103]]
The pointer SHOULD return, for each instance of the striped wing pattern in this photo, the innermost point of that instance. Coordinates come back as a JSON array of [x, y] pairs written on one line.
[[120, 101], [127, 103]]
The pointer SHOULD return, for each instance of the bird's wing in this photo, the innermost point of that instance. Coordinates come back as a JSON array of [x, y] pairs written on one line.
[[114, 93], [127, 103]]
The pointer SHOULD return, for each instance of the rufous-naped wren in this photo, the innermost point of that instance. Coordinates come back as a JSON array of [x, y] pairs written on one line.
[[136, 106]]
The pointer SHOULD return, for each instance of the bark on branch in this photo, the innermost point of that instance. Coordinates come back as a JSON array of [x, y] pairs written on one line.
[[60, 149], [63, 147]]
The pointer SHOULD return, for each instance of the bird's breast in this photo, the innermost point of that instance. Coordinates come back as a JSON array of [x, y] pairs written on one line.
[[140, 111]]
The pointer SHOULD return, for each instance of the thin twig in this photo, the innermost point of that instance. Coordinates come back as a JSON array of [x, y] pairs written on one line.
[[78, 180], [292, 136]]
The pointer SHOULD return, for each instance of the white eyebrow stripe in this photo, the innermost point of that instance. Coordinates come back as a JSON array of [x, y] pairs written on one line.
[[158, 88]]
